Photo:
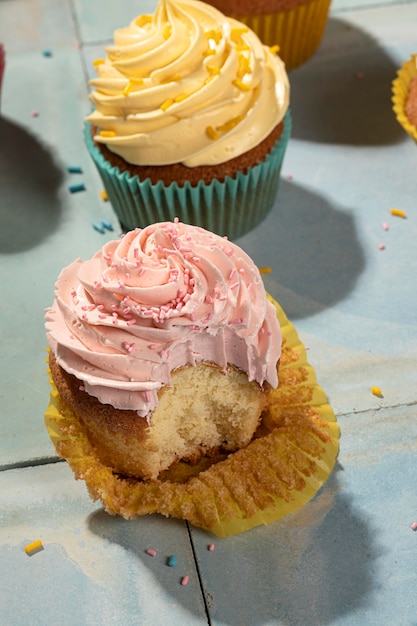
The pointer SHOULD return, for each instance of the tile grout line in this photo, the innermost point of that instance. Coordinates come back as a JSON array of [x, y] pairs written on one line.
[[200, 580]]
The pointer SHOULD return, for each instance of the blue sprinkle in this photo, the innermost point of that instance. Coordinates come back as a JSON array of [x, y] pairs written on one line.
[[75, 188], [107, 225], [47, 53], [98, 228], [74, 169], [172, 561]]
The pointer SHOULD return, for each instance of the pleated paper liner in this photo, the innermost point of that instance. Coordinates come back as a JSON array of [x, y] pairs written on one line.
[[297, 31], [229, 208], [400, 87], [289, 459]]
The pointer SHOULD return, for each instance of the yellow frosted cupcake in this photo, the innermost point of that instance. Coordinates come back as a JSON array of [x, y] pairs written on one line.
[[190, 120], [404, 96], [296, 26]]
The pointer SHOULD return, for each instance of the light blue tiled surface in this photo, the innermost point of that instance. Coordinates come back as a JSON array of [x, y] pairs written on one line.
[[347, 558]]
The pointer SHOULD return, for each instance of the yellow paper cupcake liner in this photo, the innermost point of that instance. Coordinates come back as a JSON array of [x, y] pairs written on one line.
[[400, 88], [289, 459], [297, 31]]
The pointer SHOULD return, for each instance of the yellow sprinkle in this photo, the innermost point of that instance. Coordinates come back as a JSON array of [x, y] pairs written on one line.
[[237, 32], [241, 47], [244, 67], [376, 391], [181, 97], [210, 132], [98, 62], [169, 79], [216, 35], [223, 128], [127, 89], [165, 105], [209, 52], [107, 133], [265, 270], [241, 85], [136, 81], [33, 547], [274, 49], [142, 20], [398, 213], [103, 195], [166, 33], [213, 69]]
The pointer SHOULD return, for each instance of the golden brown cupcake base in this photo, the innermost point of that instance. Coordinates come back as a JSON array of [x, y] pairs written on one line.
[[179, 173], [289, 459]]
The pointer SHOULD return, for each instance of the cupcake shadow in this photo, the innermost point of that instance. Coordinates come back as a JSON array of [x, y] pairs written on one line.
[[313, 567], [168, 537], [343, 94], [29, 181], [312, 248]]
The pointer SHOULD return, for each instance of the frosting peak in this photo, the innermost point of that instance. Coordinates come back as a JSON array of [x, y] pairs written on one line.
[[186, 84], [158, 299]]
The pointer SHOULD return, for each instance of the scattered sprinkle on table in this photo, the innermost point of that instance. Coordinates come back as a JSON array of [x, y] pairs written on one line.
[[76, 188], [104, 196], [99, 228], [385, 226], [35, 113], [414, 526], [74, 169], [211, 547], [398, 213], [184, 580], [290, 176], [381, 246], [107, 225], [376, 391], [265, 270], [172, 560], [47, 53], [34, 547], [151, 552]]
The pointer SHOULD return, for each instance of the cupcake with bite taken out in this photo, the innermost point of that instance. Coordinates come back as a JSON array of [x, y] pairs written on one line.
[[190, 119], [164, 356]]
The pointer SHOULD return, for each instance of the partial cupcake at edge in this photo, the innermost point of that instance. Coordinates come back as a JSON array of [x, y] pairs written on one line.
[[190, 119], [164, 355], [404, 96], [296, 26]]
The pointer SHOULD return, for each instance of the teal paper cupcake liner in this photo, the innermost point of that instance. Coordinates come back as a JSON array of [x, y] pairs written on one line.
[[230, 208]]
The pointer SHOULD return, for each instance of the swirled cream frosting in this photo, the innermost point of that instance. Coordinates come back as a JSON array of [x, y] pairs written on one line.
[[160, 298], [186, 85]]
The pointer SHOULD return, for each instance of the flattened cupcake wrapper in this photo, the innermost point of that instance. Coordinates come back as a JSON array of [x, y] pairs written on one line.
[[289, 459], [400, 88], [231, 208], [297, 31]]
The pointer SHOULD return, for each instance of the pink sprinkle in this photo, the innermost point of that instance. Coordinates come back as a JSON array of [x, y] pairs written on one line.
[[184, 581], [385, 226], [131, 322], [414, 526], [176, 220], [147, 396], [381, 246], [151, 552], [209, 299], [152, 346], [290, 176], [35, 113], [211, 547], [81, 388]]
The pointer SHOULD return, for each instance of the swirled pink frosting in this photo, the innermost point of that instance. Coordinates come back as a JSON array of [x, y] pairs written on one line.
[[158, 299]]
